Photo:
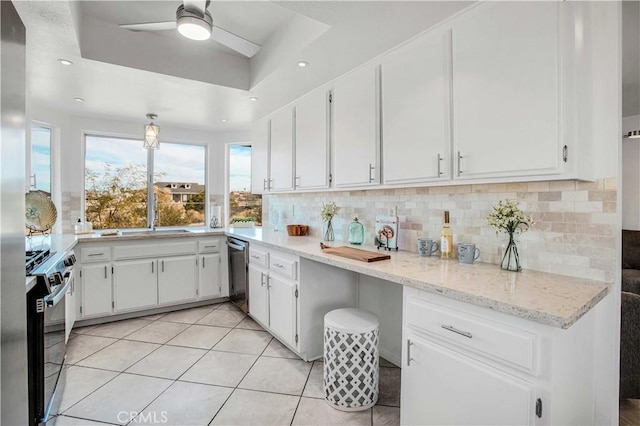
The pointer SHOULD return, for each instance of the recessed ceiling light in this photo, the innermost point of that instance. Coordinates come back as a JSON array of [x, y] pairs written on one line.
[[303, 64], [224, 120], [78, 99], [254, 99], [65, 62]]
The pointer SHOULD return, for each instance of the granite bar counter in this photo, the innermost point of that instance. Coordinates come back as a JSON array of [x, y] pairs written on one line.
[[550, 299]]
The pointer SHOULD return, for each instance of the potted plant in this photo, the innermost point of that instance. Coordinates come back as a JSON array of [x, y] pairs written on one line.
[[243, 222], [508, 218]]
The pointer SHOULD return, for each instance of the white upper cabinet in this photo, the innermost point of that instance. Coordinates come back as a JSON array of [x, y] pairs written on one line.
[[281, 150], [260, 156], [506, 91], [312, 141], [415, 111], [356, 128]]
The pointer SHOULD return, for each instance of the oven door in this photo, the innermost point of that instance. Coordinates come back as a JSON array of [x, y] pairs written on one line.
[[55, 339]]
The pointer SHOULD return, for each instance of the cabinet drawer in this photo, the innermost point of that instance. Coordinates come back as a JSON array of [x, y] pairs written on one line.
[[155, 250], [95, 254], [495, 340], [258, 257], [209, 246], [282, 265]]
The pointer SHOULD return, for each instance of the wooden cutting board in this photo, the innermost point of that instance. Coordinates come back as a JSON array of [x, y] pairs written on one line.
[[355, 254]]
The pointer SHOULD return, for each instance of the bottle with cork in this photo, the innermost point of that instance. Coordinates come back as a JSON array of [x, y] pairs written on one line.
[[446, 238]]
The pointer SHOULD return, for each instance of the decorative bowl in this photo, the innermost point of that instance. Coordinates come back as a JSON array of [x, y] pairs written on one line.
[[40, 212], [297, 230]]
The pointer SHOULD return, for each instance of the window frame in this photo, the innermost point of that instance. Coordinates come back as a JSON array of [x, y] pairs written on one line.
[[53, 185], [227, 180], [150, 171]]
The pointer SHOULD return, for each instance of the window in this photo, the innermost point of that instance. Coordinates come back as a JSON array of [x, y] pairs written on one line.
[[179, 173], [116, 176], [243, 205], [41, 159], [115, 185]]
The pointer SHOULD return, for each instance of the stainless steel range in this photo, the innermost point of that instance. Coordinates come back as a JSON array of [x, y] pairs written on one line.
[[48, 326]]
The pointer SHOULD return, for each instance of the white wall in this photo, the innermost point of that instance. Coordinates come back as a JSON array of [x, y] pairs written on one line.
[[631, 175], [68, 150]]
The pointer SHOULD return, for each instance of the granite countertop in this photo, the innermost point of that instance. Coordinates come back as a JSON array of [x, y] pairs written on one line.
[[550, 299]]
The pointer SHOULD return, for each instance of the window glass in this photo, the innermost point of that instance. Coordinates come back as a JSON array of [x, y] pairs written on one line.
[[115, 182], [179, 184], [243, 205], [41, 159]]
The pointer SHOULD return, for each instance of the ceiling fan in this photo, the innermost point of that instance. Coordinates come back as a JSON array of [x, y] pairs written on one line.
[[195, 22]]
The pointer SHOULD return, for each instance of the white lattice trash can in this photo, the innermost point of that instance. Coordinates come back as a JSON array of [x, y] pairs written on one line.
[[351, 370]]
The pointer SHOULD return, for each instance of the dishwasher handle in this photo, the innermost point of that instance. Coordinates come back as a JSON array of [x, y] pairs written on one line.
[[233, 245]]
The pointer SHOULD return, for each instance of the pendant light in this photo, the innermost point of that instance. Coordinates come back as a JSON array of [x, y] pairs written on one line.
[[151, 134], [634, 134]]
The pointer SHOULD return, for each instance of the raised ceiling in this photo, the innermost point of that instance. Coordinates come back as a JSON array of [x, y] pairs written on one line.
[[124, 75]]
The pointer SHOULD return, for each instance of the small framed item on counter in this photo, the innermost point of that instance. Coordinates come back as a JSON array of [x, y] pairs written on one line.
[[387, 232]]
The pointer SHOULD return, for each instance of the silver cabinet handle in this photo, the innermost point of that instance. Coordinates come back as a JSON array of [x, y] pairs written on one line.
[[95, 254], [455, 330], [163, 266], [152, 267], [268, 279], [264, 184], [409, 359], [278, 265], [214, 246], [253, 256], [371, 168], [202, 262], [440, 173], [459, 158], [105, 272], [261, 279]]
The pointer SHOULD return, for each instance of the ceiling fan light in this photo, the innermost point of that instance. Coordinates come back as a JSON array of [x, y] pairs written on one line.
[[194, 28]]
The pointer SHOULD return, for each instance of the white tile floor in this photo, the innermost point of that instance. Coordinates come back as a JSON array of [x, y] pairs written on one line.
[[208, 365]]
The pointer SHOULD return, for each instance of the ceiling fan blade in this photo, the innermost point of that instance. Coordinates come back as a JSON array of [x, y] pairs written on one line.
[[196, 6], [150, 26], [235, 42]]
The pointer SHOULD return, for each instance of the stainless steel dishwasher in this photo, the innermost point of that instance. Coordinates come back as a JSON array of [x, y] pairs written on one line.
[[239, 273]]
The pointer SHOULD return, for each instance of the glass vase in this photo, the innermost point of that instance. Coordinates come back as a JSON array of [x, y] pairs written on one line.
[[510, 260], [328, 233]]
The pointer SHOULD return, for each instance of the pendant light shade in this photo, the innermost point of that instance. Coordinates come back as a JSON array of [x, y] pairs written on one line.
[[151, 134]]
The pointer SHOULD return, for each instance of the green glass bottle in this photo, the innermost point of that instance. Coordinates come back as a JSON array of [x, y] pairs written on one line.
[[356, 232]]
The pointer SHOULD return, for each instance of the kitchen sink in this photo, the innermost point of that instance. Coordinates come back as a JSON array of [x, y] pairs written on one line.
[[156, 232]]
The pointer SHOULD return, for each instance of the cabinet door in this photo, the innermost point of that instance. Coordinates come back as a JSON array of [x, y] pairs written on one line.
[[506, 90], [176, 279], [357, 129], [209, 276], [97, 297], [135, 284], [70, 308], [282, 308], [260, 156], [312, 141], [258, 296], [415, 111], [444, 387], [281, 154]]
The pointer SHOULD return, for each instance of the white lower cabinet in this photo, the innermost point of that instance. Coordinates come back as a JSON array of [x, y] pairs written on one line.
[[96, 290], [441, 386], [465, 364], [209, 276], [135, 284], [282, 308], [273, 292], [176, 279], [141, 276], [258, 295]]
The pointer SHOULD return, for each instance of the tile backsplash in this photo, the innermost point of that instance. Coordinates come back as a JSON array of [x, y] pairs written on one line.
[[574, 232]]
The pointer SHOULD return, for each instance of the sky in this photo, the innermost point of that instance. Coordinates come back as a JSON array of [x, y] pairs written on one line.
[[178, 163], [41, 157], [239, 168], [181, 163]]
